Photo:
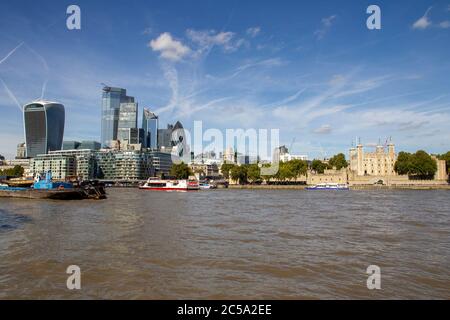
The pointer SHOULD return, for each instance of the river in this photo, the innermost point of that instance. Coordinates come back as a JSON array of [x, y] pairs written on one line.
[[228, 244]]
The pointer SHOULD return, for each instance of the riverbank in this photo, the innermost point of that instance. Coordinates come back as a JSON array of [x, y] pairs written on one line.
[[361, 187]]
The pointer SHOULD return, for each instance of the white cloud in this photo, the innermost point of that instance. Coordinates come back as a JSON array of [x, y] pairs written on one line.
[[169, 48], [253, 31], [324, 129], [424, 22], [326, 24], [206, 39], [445, 24]]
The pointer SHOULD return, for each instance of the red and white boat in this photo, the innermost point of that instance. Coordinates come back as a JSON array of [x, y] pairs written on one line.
[[170, 185]]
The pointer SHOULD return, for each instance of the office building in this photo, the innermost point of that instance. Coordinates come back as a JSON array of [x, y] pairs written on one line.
[[150, 128], [165, 138], [44, 127], [111, 100]]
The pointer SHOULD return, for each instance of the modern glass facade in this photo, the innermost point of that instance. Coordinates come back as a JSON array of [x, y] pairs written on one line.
[[127, 126], [150, 127], [111, 100], [44, 127]]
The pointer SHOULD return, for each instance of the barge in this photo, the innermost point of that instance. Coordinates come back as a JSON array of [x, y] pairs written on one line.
[[46, 188]]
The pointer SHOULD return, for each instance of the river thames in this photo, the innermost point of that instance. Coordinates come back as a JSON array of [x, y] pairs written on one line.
[[228, 244]]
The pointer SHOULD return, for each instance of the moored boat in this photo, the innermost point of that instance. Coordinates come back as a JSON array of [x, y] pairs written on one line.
[[329, 186], [46, 188], [170, 185]]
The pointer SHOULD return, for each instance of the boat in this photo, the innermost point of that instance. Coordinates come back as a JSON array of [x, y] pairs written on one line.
[[329, 186], [205, 185], [170, 185], [46, 188]]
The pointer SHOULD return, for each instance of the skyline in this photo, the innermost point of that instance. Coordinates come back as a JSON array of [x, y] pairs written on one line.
[[313, 71]]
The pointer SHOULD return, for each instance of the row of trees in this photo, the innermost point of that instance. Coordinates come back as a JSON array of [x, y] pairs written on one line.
[[17, 171], [251, 173]]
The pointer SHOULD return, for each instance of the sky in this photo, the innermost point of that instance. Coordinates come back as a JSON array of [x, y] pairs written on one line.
[[311, 69]]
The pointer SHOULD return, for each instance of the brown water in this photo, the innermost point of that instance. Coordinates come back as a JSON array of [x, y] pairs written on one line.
[[287, 244]]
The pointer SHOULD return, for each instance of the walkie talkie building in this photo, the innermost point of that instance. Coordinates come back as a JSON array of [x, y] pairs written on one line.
[[44, 127]]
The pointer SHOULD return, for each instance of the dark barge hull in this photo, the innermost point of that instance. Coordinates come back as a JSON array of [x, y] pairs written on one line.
[[44, 194]]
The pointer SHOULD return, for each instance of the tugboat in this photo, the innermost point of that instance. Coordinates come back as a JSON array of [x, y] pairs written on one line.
[[329, 186], [170, 185], [46, 188]]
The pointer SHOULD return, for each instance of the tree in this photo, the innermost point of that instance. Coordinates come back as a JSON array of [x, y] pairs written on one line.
[[318, 166], [338, 161], [298, 167], [180, 171], [2, 158], [225, 169], [17, 171], [239, 174], [403, 164], [254, 173], [418, 165]]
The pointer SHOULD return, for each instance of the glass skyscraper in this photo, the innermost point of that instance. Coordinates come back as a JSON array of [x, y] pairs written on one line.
[[127, 126], [111, 100], [44, 127], [150, 126]]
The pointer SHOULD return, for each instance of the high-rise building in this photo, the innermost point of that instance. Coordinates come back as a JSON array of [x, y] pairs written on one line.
[[83, 145], [127, 125], [150, 127], [44, 127], [111, 100], [165, 137]]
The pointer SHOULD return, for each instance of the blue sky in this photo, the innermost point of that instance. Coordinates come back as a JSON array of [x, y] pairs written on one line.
[[313, 70]]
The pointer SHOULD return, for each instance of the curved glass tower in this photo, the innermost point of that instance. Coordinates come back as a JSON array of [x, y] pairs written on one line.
[[44, 127]]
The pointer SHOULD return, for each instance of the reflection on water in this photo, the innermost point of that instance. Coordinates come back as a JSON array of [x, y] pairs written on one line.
[[228, 244]]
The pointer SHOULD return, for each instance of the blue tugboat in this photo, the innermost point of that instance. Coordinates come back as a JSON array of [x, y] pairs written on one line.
[[329, 186]]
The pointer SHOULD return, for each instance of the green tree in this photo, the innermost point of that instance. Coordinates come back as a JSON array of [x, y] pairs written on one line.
[[180, 171], [17, 171], [253, 173], [225, 169], [239, 174], [338, 161], [298, 167], [318, 166], [418, 165]]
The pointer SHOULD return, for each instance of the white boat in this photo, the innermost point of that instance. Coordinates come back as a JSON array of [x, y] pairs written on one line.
[[206, 186], [170, 185], [329, 186]]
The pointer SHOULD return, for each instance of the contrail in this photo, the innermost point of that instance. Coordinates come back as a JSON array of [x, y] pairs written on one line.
[[11, 95], [11, 52]]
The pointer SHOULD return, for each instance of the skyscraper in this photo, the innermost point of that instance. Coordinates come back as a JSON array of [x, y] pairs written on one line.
[[150, 126], [111, 100], [127, 126], [44, 127]]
